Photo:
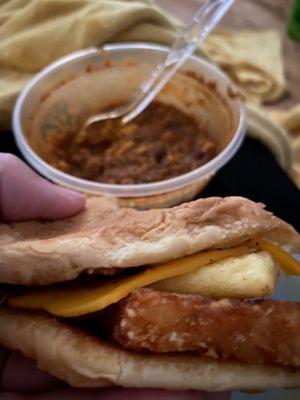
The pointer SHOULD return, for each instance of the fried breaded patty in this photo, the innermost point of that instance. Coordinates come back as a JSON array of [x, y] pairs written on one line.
[[261, 331]]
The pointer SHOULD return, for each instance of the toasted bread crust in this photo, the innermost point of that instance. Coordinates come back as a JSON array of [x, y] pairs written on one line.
[[84, 361], [105, 236]]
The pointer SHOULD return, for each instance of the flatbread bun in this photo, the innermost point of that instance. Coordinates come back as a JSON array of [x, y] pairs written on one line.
[[106, 236], [84, 361]]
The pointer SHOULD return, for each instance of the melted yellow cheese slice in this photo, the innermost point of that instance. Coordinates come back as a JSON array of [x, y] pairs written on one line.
[[72, 302], [286, 261]]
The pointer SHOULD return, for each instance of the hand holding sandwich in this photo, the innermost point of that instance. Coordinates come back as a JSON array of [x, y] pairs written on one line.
[[26, 196]]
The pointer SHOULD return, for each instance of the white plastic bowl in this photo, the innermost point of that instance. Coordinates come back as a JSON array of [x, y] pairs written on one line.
[[80, 79]]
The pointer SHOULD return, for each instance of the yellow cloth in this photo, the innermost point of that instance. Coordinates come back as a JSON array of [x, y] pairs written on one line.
[[33, 33], [252, 59]]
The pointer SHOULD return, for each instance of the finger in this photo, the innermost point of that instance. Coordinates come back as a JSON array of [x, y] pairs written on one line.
[[24, 195], [123, 394], [4, 354], [105, 394], [21, 375], [115, 394]]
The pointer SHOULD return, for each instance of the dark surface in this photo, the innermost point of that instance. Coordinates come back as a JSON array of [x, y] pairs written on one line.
[[252, 173], [7, 144]]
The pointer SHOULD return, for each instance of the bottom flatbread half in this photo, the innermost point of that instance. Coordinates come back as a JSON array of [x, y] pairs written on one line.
[[84, 361]]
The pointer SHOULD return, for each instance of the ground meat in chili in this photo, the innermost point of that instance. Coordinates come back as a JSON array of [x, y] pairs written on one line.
[[161, 143]]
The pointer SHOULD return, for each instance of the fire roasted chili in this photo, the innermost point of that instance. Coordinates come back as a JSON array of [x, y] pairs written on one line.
[[163, 142]]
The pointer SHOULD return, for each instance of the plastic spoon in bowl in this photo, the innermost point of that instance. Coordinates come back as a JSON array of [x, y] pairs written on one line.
[[206, 18]]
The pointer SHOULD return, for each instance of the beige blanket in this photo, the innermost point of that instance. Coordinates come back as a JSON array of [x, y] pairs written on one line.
[[33, 33]]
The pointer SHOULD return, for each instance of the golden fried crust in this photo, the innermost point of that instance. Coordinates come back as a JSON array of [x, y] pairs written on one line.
[[259, 332], [83, 361], [106, 236]]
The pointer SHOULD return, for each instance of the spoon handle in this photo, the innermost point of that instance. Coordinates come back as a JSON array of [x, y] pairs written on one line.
[[206, 18]]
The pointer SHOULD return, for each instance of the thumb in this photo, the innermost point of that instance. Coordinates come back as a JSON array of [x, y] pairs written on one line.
[[24, 195]]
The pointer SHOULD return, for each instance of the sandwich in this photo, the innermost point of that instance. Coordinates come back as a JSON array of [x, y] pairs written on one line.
[[176, 298]]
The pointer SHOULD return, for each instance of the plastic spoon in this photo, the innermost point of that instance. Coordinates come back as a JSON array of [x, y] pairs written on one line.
[[206, 18]]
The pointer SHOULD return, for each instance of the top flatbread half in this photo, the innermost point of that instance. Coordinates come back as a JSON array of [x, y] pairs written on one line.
[[105, 236]]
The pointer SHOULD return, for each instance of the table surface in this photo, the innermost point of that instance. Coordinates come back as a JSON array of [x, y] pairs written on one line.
[[254, 15]]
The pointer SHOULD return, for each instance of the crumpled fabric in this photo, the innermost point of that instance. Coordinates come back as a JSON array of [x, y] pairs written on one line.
[[33, 33], [252, 59]]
